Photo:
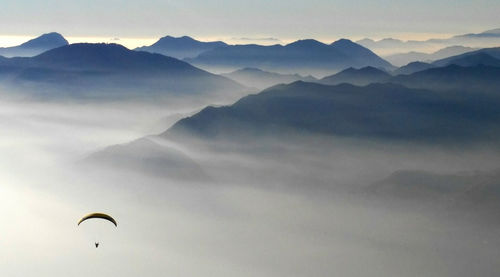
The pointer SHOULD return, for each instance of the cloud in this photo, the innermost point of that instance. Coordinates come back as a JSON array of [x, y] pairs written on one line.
[[274, 212]]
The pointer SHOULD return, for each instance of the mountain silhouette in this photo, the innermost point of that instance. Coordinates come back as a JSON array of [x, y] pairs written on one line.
[[473, 60], [35, 46], [477, 79], [360, 77], [384, 111], [485, 34], [389, 46], [484, 56], [406, 58], [412, 68], [180, 47], [110, 67], [254, 77], [303, 57]]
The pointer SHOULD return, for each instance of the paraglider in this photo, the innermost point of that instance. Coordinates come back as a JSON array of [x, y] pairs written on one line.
[[98, 216]]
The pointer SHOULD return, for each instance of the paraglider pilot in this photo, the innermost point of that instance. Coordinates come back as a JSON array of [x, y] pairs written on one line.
[[100, 216]]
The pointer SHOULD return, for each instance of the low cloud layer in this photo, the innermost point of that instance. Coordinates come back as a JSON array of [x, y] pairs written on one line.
[[272, 209]]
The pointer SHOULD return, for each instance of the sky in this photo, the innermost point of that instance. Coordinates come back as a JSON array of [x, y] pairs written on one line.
[[140, 22]]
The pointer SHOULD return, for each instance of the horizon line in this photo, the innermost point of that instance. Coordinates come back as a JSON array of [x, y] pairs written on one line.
[[134, 42]]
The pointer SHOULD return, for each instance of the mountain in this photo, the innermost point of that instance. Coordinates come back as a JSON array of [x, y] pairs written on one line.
[[412, 68], [390, 46], [492, 32], [35, 46], [400, 59], [486, 34], [384, 111], [303, 57], [450, 51], [359, 77], [386, 42], [484, 56], [85, 68], [180, 47], [254, 77], [472, 60], [148, 157], [405, 58], [477, 79]]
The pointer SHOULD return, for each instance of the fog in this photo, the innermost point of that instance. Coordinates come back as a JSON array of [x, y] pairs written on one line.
[[271, 208]]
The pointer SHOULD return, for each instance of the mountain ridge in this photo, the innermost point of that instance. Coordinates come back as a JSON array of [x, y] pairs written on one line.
[[360, 77], [384, 111], [254, 77], [302, 56], [401, 59], [180, 47], [100, 66]]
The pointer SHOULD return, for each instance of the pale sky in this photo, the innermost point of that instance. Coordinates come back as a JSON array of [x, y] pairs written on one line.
[[139, 22]]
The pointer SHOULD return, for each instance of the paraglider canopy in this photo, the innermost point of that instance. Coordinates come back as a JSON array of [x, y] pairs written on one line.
[[98, 215]]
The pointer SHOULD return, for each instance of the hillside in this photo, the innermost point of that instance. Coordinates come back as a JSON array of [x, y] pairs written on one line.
[[384, 111], [487, 56], [412, 68], [254, 77], [359, 77], [477, 79]]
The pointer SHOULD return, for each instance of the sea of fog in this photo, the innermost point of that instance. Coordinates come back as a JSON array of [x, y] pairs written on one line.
[[243, 228]]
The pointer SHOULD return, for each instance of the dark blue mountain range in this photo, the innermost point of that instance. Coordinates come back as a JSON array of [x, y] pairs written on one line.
[[475, 79], [109, 67], [486, 56], [303, 56], [384, 111]]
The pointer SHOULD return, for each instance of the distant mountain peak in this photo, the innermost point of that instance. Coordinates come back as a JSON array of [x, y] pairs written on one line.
[[306, 43], [186, 38], [343, 41], [493, 31], [360, 77], [346, 43], [46, 40], [181, 47], [35, 46]]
